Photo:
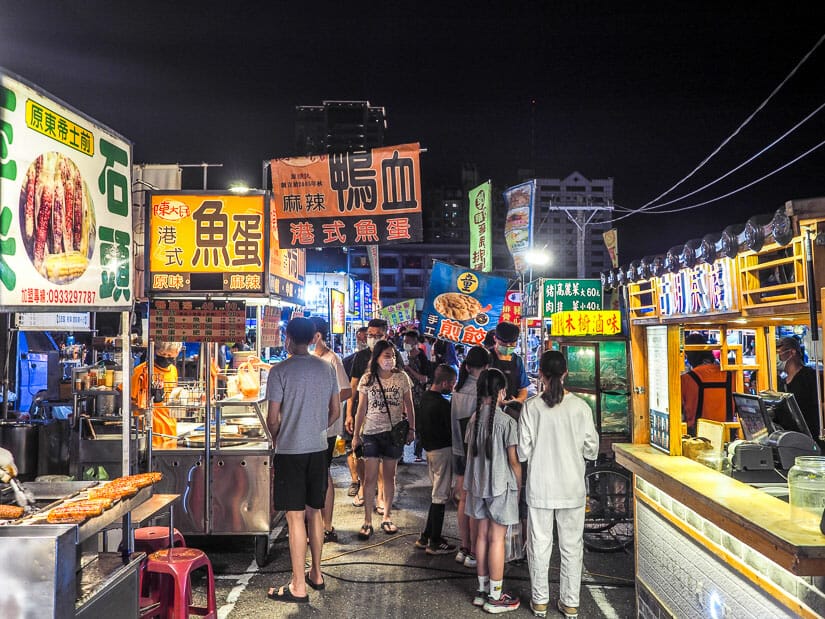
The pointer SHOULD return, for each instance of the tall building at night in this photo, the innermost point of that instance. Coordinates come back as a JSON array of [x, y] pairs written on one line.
[[339, 126]]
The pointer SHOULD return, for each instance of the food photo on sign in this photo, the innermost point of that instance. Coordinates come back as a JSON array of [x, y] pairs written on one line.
[[461, 304]]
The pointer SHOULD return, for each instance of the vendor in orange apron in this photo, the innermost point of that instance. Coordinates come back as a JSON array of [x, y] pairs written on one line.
[[706, 388], [164, 379]]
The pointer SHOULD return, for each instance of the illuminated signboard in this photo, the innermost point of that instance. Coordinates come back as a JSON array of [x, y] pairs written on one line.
[[337, 311], [563, 295], [602, 322], [705, 288]]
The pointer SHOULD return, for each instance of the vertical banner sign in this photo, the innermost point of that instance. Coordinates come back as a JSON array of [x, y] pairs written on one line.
[[206, 243], [481, 248], [366, 302], [375, 272], [612, 244], [346, 199], [269, 331], [518, 227], [287, 267], [65, 206], [511, 312], [532, 299], [337, 312], [462, 305]]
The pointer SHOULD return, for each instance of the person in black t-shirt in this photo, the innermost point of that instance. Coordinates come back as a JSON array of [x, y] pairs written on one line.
[[800, 380], [504, 358]]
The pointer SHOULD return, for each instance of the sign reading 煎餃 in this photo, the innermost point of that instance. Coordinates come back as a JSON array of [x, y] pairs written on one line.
[[346, 199], [461, 304], [205, 243], [65, 206], [700, 289], [401, 313], [562, 295], [481, 248], [197, 321], [599, 322], [337, 312]]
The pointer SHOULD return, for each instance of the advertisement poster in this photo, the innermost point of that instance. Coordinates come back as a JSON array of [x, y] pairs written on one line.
[[518, 227], [611, 242], [375, 277], [605, 322], [287, 267], [402, 313], [573, 295], [481, 247], [65, 207], [532, 298], [337, 312], [657, 387], [269, 330], [197, 321], [511, 312], [205, 242], [345, 199], [461, 304]]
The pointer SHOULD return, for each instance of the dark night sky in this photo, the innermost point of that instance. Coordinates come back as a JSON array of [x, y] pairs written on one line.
[[640, 92]]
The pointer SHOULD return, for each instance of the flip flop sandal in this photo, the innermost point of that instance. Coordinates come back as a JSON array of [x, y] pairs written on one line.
[[353, 488], [366, 532], [379, 510], [283, 594], [389, 528], [358, 502], [317, 586]]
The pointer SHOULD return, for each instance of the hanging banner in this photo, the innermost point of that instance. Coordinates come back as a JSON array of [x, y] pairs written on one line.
[[287, 267], [269, 330], [65, 206], [206, 243], [518, 227], [562, 295], [398, 314], [605, 322], [346, 199], [337, 312], [375, 273], [481, 247], [462, 305], [511, 312], [611, 242], [531, 307]]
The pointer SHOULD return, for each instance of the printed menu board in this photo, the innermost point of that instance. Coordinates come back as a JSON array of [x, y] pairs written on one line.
[[657, 387], [197, 321]]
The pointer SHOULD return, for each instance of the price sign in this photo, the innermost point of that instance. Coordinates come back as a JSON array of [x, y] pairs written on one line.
[[197, 321]]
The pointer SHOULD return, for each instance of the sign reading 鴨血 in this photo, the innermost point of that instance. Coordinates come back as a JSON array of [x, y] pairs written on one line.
[[65, 206], [345, 199], [205, 243], [461, 304]]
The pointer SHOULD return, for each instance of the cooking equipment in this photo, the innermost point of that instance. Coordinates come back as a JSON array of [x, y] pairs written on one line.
[[24, 498], [228, 439], [21, 440]]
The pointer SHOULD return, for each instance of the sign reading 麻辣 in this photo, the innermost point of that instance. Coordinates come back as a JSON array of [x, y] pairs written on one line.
[[205, 243], [346, 199], [562, 295], [603, 322], [65, 207]]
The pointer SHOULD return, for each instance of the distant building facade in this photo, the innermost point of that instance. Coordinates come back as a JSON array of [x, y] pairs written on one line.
[[339, 126]]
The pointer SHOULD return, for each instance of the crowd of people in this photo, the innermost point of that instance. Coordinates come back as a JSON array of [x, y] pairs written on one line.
[[473, 420]]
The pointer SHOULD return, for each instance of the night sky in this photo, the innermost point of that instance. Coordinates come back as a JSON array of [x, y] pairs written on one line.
[[640, 92]]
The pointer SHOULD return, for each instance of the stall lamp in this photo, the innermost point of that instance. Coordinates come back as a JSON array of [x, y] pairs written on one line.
[[239, 188], [537, 257]]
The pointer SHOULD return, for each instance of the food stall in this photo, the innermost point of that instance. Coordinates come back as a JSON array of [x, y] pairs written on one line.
[[210, 256], [66, 246], [708, 544]]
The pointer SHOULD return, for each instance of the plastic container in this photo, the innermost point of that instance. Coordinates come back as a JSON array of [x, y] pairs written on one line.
[[806, 483]]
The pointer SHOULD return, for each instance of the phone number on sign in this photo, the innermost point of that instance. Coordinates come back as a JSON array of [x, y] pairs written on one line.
[[58, 296]]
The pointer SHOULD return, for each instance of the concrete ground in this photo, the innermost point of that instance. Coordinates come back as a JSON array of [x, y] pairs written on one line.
[[387, 576]]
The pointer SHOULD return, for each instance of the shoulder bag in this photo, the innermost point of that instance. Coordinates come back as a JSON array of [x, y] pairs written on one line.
[[399, 431]]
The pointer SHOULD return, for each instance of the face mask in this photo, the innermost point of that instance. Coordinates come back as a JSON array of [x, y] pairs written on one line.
[[408, 347], [360, 346], [780, 365], [387, 364], [371, 340], [505, 350], [311, 348], [163, 362]]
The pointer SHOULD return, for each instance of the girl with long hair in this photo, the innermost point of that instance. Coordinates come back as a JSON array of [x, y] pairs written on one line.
[[385, 398], [462, 406], [557, 435], [492, 481]]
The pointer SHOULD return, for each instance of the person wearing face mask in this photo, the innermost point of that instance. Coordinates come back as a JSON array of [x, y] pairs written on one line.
[[504, 358], [418, 368], [164, 379], [436, 432], [800, 380], [352, 461], [706, 388]]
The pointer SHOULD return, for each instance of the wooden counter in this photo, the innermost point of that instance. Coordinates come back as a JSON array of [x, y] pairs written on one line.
[[748, 514]]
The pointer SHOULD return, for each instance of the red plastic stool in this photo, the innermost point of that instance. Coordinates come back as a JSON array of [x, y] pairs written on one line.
[[179, 563], [152, 539]]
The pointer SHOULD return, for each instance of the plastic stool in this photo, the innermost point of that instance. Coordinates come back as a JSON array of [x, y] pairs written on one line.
[[152, 539], [179, 563]]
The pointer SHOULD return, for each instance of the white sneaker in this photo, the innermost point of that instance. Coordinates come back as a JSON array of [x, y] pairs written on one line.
[[470, 560], [461, 555], [480, 598]]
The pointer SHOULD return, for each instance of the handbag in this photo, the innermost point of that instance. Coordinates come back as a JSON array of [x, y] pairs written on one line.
[[399, 431]]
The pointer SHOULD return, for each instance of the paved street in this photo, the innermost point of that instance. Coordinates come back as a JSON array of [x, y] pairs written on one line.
[[388, 576]]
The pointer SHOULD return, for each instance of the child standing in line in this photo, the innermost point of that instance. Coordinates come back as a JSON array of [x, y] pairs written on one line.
[[492, 480]]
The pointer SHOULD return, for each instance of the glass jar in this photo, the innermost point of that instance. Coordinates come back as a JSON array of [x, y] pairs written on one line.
[[806, 482]]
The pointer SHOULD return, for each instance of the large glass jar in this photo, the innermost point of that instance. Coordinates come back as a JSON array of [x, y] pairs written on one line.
[[806, 482]]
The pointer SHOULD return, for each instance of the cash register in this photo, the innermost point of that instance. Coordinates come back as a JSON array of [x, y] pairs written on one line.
[[774, 432]]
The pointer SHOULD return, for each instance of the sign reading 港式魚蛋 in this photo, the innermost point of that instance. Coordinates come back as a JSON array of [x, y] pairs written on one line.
[[600, 322], [561, 295], [65, 206], [481, 249], [346, 199], [401, 313], [197, 321], [461, 304], [205, 243]]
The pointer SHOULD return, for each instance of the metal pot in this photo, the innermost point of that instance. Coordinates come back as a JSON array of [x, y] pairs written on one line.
[[21, 440]]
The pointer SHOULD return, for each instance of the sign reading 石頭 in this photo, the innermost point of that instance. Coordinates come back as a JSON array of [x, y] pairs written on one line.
[[65, 206], [462, 305], [603, 322], [346, 199], [481, 248], [401, 313], [702, 289], [571, 295]]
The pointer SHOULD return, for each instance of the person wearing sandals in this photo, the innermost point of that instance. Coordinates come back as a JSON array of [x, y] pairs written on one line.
[[557, 435], [492, 480], [302, 400], [385, 398]]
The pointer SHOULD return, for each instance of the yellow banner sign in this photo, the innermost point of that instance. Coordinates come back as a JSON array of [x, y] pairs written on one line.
[[604, 322], [287, 267], [58, 127], [206, 243]]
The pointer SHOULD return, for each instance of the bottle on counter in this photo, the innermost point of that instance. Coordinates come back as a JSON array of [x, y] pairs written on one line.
[[806, 483]]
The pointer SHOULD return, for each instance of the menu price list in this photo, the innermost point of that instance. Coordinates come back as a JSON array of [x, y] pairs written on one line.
[[197, 321]]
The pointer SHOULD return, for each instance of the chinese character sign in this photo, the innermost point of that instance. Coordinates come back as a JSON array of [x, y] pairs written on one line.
[[702, 289], [481, 248], [605, 322], [287, 267], [402, 313], [345, 199], [461, 304], [518, 227], [65, 206], [337, 312], [532, 298], [206, 243], [571, 295], [511, 312]]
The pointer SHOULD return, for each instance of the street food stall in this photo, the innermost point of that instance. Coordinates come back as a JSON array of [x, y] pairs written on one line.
[[707, 543], [210, 257]]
